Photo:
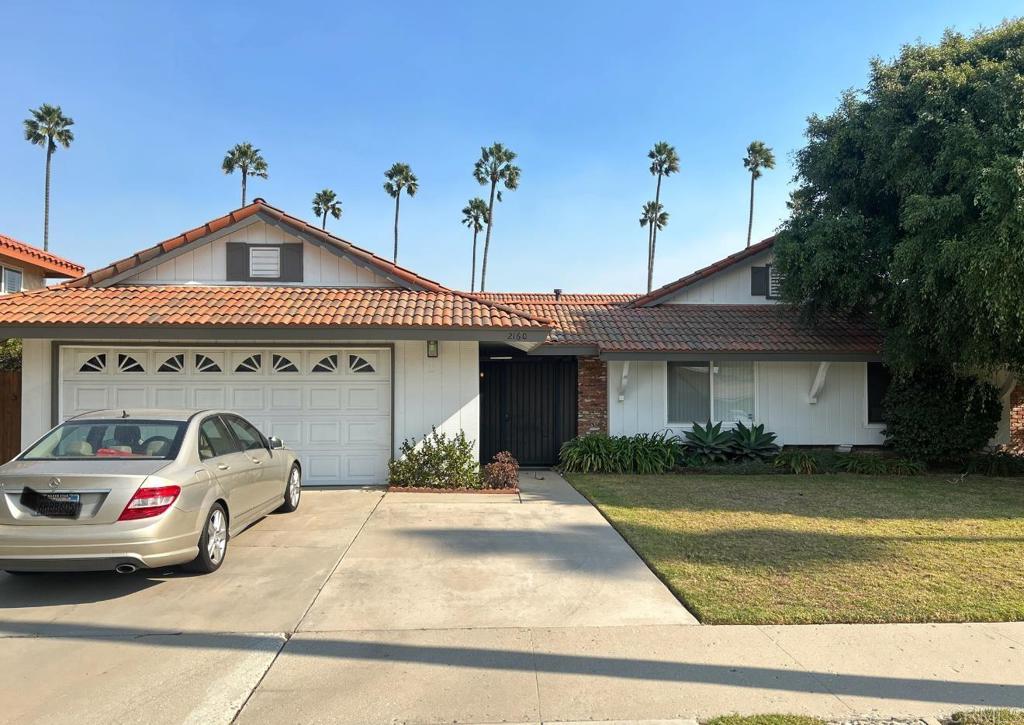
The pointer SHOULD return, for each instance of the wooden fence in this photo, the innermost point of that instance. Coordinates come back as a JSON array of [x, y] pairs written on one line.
[[10, 415]]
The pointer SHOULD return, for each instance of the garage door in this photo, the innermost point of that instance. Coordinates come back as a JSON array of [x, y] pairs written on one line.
[[331, 405]]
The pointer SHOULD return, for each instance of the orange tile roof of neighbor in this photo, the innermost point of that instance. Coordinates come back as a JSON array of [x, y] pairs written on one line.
[[50, 264], [242, 306]]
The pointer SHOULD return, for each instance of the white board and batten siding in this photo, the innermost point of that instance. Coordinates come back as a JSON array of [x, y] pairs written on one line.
[[207, 263], [781, 402], [731, 286]]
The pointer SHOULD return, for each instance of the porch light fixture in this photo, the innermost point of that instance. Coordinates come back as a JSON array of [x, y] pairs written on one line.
[[431, 348]]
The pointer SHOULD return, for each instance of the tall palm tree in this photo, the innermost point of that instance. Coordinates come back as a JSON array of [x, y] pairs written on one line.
[[758, 157], [653, 216], [326, 202], [48, 127], [399, 177], [664, 162], [247, 159], [474, 216], [494, 165]]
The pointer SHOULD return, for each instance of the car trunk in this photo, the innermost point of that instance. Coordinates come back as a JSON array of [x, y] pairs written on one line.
[[102, 494]]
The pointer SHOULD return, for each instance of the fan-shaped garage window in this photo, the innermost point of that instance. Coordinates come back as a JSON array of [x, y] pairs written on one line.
[[128, 364], [359, 364], [206, 364], [328, 364], [95, 364], [173, 364], [250, 365], [284, 365]]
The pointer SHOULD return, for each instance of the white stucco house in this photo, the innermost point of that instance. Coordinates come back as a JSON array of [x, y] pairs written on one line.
[[344, 354]]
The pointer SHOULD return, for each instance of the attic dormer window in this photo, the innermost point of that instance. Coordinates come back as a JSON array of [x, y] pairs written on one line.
[[265, 262]]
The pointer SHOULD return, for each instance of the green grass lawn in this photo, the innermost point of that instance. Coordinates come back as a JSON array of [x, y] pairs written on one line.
[[829, 548]]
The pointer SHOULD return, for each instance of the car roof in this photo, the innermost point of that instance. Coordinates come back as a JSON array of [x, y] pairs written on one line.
[[127, 414]]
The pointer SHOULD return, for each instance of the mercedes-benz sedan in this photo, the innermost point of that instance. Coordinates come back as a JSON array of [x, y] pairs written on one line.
[[132, 489]]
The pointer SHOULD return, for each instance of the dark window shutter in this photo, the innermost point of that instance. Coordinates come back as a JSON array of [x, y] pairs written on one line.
[[879, 379], [291, 263], [759, 281], [237, 262]]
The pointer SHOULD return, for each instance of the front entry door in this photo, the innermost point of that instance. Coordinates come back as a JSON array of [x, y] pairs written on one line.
[[527, 407]]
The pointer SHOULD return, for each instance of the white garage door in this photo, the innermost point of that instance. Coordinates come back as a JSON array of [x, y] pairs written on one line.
[[331, 405]]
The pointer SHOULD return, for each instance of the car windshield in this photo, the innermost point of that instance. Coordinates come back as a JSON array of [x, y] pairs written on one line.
[[110, 439]]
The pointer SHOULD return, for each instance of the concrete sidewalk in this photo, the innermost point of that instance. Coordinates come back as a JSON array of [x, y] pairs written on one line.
[[406, 608]]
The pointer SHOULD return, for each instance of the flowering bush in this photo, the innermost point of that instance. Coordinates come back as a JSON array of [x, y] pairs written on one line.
[[502, 471]]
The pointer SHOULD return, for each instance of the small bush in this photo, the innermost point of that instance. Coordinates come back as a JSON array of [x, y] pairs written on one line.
[[731, 468], [753, 444], [708, 444], [436, 462], [502, 471], [996, 463], [798, 461], [593, 453], [940, 418], [646, 453], [864, 464]]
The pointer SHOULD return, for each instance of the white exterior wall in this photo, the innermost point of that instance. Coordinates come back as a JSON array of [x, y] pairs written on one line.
[[731, 286], [208, 262], [781, 388], [35, 389]]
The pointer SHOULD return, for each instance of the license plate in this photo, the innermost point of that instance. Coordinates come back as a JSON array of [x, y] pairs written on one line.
[[54, 505]]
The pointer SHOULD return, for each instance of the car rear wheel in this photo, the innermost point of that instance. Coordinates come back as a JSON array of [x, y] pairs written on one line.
[[292, 491], [213, 543]]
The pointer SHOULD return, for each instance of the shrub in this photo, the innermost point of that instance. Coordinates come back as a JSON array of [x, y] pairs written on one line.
[[753, 444], [436, 462], [645, 453], [996, 463], [937, 417], [502, 471], [798, 461], [707, 444], [876, 465]]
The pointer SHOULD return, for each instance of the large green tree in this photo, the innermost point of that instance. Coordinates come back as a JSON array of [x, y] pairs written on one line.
[[474, 216], [910, 205], [48, 127], [397, 178], [247, 160], [494, 166], [759, 156], [664, 162]]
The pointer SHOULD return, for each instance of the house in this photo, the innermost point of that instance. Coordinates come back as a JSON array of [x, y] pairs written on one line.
[[24, 267], [344, 354]]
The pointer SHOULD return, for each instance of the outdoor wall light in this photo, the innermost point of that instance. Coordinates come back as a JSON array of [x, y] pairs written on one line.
[[431, 348]]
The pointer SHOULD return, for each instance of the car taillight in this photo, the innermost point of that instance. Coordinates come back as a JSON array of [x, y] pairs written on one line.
[[149, 502]]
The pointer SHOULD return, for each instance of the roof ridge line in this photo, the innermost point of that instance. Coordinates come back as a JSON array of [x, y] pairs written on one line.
[[504, 308]]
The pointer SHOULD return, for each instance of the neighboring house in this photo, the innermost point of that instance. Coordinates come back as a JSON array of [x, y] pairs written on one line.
[[24, 267], [344, 354]]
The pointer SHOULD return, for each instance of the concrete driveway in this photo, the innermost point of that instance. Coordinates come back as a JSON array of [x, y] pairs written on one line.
[[365, 607]]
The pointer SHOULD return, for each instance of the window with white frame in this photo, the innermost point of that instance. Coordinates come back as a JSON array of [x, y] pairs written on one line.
[[12, 280], [265, 262], [705, 390]]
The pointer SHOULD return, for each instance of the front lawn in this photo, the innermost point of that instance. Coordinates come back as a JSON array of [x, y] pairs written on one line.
[[829, 548]]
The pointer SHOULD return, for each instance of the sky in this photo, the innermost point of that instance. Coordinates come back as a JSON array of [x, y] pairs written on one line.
[[334, 93]]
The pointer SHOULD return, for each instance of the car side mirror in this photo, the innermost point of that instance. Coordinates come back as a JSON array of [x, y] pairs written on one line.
[[275, 442]]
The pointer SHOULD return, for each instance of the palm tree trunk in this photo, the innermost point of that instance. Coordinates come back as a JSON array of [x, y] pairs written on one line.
[[398, 199], [654, 234], [487, 239], [750, 219], [650, 232], [472, 276], [324, 225], [243, 188], [46, 197]]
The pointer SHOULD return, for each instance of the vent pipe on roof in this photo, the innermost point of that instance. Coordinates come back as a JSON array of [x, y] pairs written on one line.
[[558, 293]]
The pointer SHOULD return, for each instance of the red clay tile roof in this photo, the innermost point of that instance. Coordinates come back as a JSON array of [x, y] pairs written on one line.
[[520, 299], [700, 274], [51, 264], [256, 207], [242, 306]]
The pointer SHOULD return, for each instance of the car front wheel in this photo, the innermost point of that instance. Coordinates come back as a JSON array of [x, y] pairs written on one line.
[[292, 491], [213, 543]]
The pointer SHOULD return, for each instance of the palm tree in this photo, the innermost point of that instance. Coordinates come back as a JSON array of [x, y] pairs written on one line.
[[653, 216], [664, 161], [48, 127], [326, 202], [494, 165], [399, 177], [758, 157], [474, 216], [243, 157]]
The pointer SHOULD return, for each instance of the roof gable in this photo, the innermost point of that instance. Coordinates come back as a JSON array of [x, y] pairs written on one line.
[[50, 264]]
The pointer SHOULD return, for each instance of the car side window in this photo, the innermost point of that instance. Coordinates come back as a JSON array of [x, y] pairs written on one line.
[[215, 440], [246, 433]]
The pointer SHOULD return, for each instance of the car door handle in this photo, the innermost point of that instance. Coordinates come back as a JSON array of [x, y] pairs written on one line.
[[223, 466]]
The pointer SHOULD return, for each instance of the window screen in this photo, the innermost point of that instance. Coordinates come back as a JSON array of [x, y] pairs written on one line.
[[878, 384], [12, 280], [734, 392], [265, 262], [689, 392]]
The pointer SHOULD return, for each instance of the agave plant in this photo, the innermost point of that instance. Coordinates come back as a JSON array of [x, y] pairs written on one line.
[[708, 443], [752, 443]]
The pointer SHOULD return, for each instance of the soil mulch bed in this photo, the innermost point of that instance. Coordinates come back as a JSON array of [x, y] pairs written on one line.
[[422, 489]]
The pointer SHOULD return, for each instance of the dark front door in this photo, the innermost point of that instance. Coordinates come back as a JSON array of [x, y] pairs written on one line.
[[527, 407]]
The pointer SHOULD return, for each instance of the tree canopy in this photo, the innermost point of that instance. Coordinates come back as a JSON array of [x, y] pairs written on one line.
[[910, 205]]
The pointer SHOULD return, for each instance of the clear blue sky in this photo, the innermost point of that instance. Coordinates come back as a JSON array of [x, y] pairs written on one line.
[[335, 93]]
